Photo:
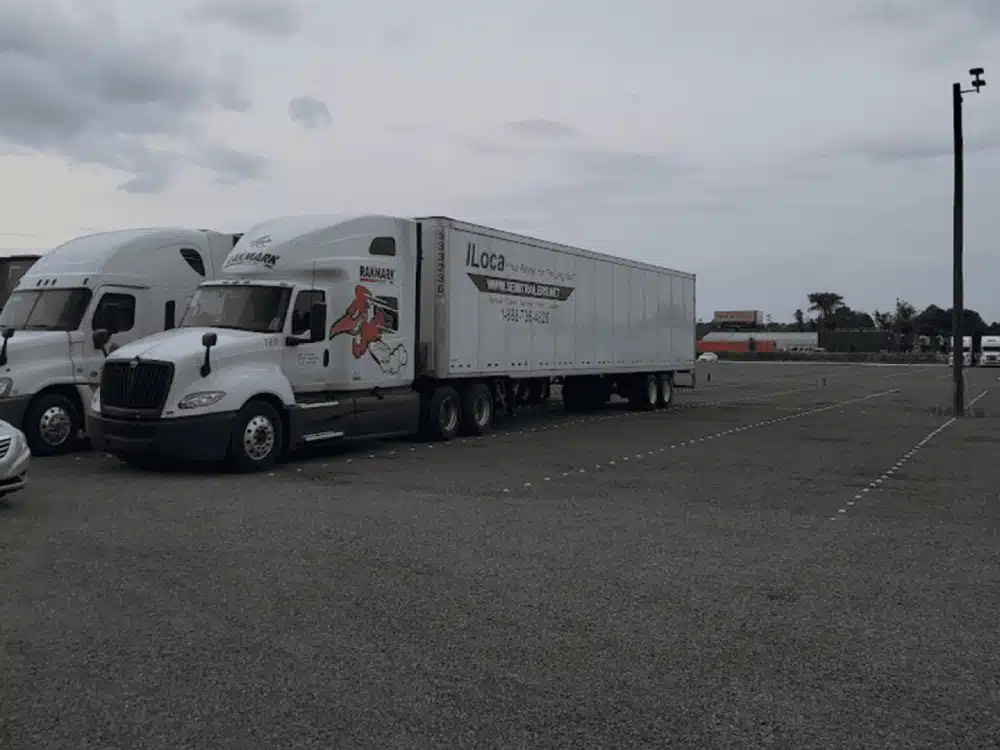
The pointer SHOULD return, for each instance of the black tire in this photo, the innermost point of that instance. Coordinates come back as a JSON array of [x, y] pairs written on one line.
[[477, 410], [256, 442], [573, 396], [51, 425], [645, 393], [445, 414], [666, 390]]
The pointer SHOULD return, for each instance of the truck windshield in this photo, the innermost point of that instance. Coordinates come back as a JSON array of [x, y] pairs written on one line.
[[46, 309], [245, 308]]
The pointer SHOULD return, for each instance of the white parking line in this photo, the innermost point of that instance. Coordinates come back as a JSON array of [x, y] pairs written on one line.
[[610, 463], [874, 485]]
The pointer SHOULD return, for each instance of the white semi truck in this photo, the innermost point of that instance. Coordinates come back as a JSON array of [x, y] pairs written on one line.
[[327, 328], [989, 353], [130, 283]]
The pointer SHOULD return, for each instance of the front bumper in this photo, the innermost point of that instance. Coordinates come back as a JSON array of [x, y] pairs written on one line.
[[14, 468], [12, 410], [201, 438]]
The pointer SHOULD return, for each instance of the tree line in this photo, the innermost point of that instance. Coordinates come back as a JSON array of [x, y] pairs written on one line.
[[830, 311]]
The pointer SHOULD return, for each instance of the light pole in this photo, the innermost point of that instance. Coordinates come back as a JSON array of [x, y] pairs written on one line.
[[958, 281]]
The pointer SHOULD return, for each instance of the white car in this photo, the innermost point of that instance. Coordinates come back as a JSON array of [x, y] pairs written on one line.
[[14, 459], [708, 357]]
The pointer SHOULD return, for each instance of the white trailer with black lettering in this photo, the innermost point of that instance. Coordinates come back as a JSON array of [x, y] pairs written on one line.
[[325, 328]]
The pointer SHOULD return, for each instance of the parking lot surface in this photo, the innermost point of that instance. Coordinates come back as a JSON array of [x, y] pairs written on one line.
[[800, 556]]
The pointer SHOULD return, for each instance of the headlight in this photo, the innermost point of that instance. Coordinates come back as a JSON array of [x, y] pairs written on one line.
[[6, 385], [201, 399]]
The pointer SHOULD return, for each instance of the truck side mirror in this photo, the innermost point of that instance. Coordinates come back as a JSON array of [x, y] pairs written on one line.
[[101, 338], [208, 340], [317, 322]]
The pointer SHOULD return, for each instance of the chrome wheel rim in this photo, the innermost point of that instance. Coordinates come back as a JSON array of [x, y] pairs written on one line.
[[55, 426], [259, 438]]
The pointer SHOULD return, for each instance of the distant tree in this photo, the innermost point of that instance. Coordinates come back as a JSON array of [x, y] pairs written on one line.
[[882, 320], [825, 303], [844, 318], [903, 318], [800, 320]]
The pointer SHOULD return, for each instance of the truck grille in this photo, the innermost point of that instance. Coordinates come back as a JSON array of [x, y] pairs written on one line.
[[136, 385], [4, 446]]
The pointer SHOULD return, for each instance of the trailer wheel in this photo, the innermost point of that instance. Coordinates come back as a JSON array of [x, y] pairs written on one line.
[[257, 439], [445, 414], [666, 383], [645, 393], [573, 396], [477, 410]]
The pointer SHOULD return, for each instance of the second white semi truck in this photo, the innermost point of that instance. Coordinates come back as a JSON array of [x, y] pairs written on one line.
[[129, 283], [326, 328]]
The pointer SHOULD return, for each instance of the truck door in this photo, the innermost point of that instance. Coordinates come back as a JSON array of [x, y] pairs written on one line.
[[307, 365], [123, 311]]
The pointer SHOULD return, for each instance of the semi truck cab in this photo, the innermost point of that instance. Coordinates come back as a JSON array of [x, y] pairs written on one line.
[[310, 342], [128, 283]]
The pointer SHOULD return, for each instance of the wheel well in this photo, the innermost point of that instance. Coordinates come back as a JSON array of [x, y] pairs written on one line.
[[271, 400], [67, 391]]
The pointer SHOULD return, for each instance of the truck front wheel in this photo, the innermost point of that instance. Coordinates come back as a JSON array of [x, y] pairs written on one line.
[[51, 425], [445, 413], [257, 438]]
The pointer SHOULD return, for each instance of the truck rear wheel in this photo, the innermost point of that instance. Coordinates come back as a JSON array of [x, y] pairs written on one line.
[[445, 413], [666, 391], [51, 425], [477, 410], [257, 438], [645, 393]]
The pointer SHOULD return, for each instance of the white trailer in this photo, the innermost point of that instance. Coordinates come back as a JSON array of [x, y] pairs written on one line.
[[434, 326], [128, 283]]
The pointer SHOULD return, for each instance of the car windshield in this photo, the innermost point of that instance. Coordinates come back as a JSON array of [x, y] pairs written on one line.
[[245, 308], [46, 309]]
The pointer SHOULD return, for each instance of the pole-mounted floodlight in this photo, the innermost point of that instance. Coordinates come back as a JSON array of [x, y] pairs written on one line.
[[958, 279]]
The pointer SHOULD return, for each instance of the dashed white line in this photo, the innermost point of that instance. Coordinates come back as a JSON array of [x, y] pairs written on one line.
[[902, 461], [734, 430]]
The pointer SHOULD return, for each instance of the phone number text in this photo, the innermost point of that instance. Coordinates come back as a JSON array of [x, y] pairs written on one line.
[[524, 315]]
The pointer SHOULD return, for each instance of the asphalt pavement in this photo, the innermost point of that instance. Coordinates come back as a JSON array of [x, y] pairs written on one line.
[[793, 556]]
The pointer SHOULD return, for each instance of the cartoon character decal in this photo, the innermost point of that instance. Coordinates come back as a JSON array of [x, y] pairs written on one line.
[[366, 319]]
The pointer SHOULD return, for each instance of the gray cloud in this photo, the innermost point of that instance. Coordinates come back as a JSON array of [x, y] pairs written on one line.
[[584, 177], [309, 112], [92, 96], [540, 129], [909, 147], [264, 17]]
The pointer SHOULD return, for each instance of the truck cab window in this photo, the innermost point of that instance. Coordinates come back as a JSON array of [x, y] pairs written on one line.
[[302, 312], [126, 302], [383, 246]]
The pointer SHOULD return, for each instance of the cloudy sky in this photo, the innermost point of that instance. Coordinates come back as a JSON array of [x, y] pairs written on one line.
[[774, 147]]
